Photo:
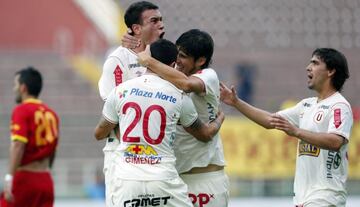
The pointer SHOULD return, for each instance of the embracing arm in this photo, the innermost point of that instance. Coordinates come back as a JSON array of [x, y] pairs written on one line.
[[103, 129], [179, 79], [205, 132]]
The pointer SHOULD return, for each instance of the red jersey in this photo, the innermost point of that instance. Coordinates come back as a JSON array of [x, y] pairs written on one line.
[[35, 124]]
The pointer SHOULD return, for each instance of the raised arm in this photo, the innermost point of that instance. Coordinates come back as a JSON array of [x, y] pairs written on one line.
[[257, 115], [179, 79], [206, 131]]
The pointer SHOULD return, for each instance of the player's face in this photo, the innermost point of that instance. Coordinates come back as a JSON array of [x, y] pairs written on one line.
[[185, 63], [317, 73], [16, 89], [152, 27]]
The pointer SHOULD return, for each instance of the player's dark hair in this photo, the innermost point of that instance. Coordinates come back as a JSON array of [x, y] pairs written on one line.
[[334, 60], [135, 10], [32, 79], [197, 43], [164, 51]]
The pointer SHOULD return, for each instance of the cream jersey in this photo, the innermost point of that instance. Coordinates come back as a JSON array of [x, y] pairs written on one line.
[[121, 65], [189, 151], [321, 173], [147, 109]]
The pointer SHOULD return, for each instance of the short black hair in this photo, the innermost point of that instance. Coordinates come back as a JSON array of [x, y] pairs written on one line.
[[197, 43], [135, 10], [32, 79], [334, 60], [164, 51]]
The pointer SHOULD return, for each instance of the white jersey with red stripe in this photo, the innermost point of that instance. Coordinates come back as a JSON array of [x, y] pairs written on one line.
[[321, 174], [190, 152], [121, 65], [147, 109]]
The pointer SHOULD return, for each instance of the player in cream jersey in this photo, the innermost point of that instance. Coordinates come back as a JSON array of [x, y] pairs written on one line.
[[207, 106], [326, 170], [200, 165], [323, 126], [147, 110], [144, 20], [121, 65]]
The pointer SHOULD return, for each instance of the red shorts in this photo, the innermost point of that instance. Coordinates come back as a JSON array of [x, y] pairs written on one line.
[[31, 189]]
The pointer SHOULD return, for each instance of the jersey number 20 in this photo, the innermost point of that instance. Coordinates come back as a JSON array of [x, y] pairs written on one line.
[[145, 123]]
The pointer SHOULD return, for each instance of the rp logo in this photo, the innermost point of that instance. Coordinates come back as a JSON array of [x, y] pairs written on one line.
[[201, 199]]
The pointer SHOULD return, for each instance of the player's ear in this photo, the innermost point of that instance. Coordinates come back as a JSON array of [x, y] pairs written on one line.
[[200, 62], [136, 28], [23, 88], [172, 64]]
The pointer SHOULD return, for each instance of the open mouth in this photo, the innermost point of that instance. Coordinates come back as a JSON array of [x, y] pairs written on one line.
[[162, 35]]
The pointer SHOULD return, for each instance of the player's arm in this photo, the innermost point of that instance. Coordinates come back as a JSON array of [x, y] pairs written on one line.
[[103, 128], [206, 131], [179, 79], [257, 115], [17, 149], [109, 119], [329, 141]]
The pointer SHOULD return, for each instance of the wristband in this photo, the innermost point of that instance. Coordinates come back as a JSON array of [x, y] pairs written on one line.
[[8, 177]]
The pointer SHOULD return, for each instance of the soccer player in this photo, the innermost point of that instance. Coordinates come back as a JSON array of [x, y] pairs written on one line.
[[144, 21], [322, 124], [147, 110], [34, 137], [200, 165]]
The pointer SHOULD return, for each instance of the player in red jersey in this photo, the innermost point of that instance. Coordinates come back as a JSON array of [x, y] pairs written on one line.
[[34, 137]]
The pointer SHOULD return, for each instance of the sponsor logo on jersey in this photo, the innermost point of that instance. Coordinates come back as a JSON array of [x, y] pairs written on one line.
[[337, 117], [141, 154], [134, 65], [211, 111], [122, 94], [147, 200], [307, 105], [333, 161], [324, 107], [201, 199], [149, 94], [308, 149]]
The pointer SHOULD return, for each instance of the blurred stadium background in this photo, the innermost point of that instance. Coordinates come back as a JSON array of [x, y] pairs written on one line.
[[262, 47]]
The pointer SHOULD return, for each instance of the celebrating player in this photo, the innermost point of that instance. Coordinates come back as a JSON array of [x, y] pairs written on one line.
[[34, 137], [145, 23], [201, 165], [322, 124], [147, 110]]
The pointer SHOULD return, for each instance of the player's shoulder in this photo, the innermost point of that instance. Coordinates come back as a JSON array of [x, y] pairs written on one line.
[[207, 71], [339, 100], [120, 52]]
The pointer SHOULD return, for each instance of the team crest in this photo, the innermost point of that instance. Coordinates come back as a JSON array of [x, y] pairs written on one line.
[[319, 116]]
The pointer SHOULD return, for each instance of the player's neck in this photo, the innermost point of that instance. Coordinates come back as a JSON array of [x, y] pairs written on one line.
[[27, 97], [324, 94]]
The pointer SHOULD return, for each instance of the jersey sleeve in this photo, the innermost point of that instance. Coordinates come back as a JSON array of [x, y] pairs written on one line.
[[109, 109], [292, 114], [341, 120], [188, 114], [19, 125], [114, 72], [210, 80]]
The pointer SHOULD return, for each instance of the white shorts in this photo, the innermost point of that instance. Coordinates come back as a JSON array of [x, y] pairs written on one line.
[[208, 189], [111, 144], [167, 193]]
